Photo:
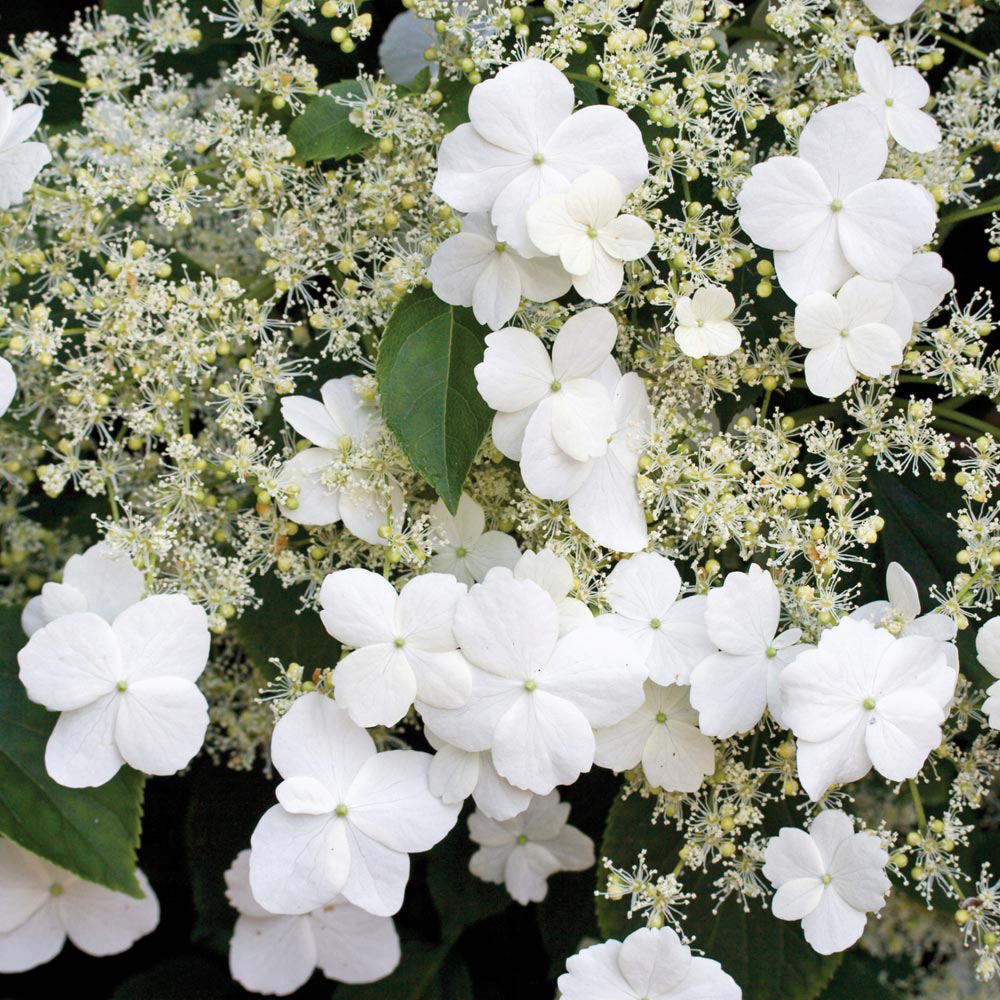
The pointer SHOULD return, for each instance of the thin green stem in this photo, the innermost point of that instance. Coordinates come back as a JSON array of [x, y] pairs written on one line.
[[959, 44], [69, 81], [583, 78], [970, 213], [954, 416], [918, 805], [186, 409]]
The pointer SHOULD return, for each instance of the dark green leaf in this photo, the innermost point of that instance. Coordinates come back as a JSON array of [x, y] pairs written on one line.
[[858, 979], [181, 978], [461, 899], [454, 110], [276, 629], [768, 958], [323, 131], [92, 832], [426, 972], [429, 395], [419, 84]]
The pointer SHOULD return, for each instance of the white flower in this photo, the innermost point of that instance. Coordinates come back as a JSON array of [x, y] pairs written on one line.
[[41, 905], [901, 613], [516, 374], [895, 95], [338, 424], [455, 774], [916, 292], [893, 11], [847, 335], [126, 691], [861, 699], [462, 547], [348, 818], [536, 697], [825, 212], [555, 576], [731, 688], [591, 239], [648, 965], [988, 652], [703, 325], [521, 853], [404, 648], [275, 954], [20, 161], [473, 268], [523, 141], [829, 878], [663, 736], [671, 634], [101, 580], [8, 385], [401, 51]]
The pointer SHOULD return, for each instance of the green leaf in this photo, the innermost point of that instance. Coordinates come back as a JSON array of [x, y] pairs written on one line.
[[768, 958], [276, 629], [426, 972], [429, 395], [92, 832], [323, 131], [181, 978], [454, 109], [858, 978]]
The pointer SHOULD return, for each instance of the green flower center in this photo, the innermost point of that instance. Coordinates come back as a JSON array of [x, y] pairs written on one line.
[[522, 839], [501, 248], [771, 652], [530, 685], [341, 810], [661, 717], [869, 703], [836, 205], [122, 685], [555, 386], [56, 889], [461, 552], [655, 623], [827, 879], [538, 159], [592, 232], [399, 643]]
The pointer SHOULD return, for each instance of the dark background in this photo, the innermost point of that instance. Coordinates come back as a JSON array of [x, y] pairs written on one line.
[[195, 824]]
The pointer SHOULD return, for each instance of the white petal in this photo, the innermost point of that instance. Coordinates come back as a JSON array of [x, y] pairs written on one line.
[[873, 65], [22, 123], [874, 349], [19, 166], [594, 198], [924, 282], [311, 419], [742, 615], [548, 471], [607, 505], [902, 732], [497, 291], [354, 946], [515, 371], [603, 280], [365, 513], [444, 680], [838, 760], [819, 265], [542, 741], [25, 879], [70, 662], [298, 862], [161, 724], [473, 172], [858, 872], [37, 941], [913, 129], [828, 370], [100, 921], [495, 795], [582, 419], [551, 227], [521, 106], [783, 203], [819, 318], [375, 685], [915, 663], [272, 955], [599, 137], [510, 210], [863, 301], [583, 344], [882, 223], [378, 876], [107, 578], [358, 607], [317, 504], [401, 51], [425, 611], [542, 278], [81, 751], [303, 794], [655, 963], [797, 898], [643, 587], [163, 636], [846, 145], [508, 431], [494, 548], [595, 968], [677, 757], [358, 420], [792, 856], [627, 238], [8, 384], [472, 726], [834, 925], [390, 801], [453, 774], [988, 646], [526, 872], [680, 643], [457, 266], [620, 747], [729, 692]]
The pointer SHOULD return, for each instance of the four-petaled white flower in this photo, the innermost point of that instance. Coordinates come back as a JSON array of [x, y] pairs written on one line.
[[703, 325], [555, 576], [536, 697], [916, 292], [102, 580], [401, 50], [473, 268], [584, 229], [126, 691], [664, 737], [847, 335], [731, 688], [517, 374], [455, 774], [20, 161], [521, 853], [829, 878], [348, 817], [895, 95], [650, 964], [988, 652], [523, 141], [672, 635], [462, 547], [826, 213], [338, 424], [275, 954], [404, 647], [861, 699], [8, 385], [41, 905]]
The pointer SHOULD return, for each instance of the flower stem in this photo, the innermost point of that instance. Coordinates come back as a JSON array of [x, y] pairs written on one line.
[[918, 805], [970, 213], [959, 44]]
